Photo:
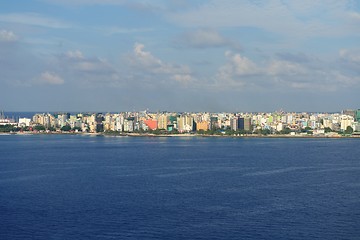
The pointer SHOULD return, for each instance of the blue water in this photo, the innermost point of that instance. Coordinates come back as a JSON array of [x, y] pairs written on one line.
[[88, 187]]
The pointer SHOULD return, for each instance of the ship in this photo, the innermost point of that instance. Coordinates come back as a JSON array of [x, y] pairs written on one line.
[[6, 121]]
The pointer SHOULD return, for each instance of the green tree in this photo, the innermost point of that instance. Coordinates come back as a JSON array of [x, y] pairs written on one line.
[[241, 131], [229, 132], [285, 131], [157, 131], [39, 128], [210, 132], [77, 128], [257, 131], [265, 131], [65, 128], [25, 128], [201, 131], [307, 128], [7, 128], [174, 131], [52, 129], [349, 130], [327, 129]]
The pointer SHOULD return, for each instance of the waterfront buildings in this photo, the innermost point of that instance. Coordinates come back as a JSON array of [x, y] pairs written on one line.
[[357, 115], [6, 121], [274, 123]]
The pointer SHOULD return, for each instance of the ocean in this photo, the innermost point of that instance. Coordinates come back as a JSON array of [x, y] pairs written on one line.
[[100, 187]]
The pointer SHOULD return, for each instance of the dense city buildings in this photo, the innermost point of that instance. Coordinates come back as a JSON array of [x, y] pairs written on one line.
[[238, 124]]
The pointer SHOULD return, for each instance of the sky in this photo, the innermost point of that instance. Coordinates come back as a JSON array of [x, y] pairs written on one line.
[[178, 55]]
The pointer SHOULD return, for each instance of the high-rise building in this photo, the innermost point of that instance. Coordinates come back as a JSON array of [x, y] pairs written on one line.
[[214, 123], [129, 125], [185, 123], [99, 122], [204, 125], [349, 112], [47, 120], [162, 121], [358, 115], [247, 124], [346, 121], [327, 123], [151, 123], [241, 123], [234, 123]]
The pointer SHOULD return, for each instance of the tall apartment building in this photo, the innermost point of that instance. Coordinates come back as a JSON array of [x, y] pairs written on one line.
[[129, 124], [327, 123], [346, 121], [47, 120], [151, 123], [204, 125], [241, 123], [234, 123], [349, 112], [247, 124], [214, 123], [185, 123], [162, 121]]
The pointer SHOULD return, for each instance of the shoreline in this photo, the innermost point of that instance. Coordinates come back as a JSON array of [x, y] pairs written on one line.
[[179, 135]]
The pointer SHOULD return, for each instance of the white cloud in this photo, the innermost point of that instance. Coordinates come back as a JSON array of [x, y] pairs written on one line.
[[344, 79], [119, 30], [354, 16], [50, 78], [33, 19], [75, 61], [281, 67], [242, 65], [7, 36], [239, 71], [350, 60], [236, 71], [350, 56], [146, 59], [183, 78], [204, 38], [236, 66], [139, 5], [92, 66], [294, 19], [86, 2], [146, 63], [75, 54]]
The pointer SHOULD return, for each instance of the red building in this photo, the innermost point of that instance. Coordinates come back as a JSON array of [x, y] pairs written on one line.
[[151, 123]]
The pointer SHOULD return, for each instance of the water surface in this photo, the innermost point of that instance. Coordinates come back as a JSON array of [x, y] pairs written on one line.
[[96, 187]]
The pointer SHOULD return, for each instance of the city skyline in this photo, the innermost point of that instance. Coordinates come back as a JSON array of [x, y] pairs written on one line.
[[235, 124], [183, 56]]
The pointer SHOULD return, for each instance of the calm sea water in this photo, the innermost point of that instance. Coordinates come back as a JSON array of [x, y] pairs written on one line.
[[88, 187]]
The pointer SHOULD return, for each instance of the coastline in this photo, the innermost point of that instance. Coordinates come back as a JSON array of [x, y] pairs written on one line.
[[184, 135]]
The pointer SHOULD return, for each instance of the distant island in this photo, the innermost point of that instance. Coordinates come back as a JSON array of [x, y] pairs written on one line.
[[274, 124]]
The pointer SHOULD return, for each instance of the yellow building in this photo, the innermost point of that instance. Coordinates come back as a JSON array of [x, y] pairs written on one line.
[[204, 125], [162, 121], [185, 123]]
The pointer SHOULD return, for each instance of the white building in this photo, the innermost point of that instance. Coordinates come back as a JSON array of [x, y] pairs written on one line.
[[24, 122], [346, 121]]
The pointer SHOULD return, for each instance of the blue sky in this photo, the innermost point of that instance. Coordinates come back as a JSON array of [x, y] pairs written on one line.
[[216, 55]]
